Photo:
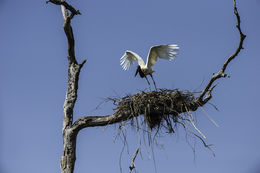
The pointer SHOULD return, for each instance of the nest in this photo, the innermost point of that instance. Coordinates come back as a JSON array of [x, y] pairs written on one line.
[[162, 108]]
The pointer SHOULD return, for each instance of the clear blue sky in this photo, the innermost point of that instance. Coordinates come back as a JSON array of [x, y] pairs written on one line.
[[33, 72]]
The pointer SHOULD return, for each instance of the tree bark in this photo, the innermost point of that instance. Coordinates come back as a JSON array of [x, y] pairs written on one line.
[[68, 158]]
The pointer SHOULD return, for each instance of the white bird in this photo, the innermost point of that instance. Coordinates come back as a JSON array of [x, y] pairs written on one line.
[[167, 52]]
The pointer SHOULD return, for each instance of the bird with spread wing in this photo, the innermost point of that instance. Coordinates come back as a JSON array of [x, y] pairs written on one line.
[[167, 52]]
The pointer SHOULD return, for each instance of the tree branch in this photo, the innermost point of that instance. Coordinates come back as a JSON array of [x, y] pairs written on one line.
[[221, 73], [66, 5], [93, 121], [132, 166]]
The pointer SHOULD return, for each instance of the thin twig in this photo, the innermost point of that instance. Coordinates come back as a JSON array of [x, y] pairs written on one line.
[[201, 139]]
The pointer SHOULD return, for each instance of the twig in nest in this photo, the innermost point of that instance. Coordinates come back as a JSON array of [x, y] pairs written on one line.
[[201, 139], [193, 124]]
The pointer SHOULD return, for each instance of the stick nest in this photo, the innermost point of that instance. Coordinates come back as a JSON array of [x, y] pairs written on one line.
[[160, 108]]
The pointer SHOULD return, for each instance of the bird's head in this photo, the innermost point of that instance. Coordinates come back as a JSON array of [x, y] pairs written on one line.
[[140, 71]]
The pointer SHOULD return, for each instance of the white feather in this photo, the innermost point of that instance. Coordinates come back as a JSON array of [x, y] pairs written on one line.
[[168, 52], [129, 58]]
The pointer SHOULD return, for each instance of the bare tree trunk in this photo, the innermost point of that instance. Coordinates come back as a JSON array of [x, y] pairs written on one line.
[[69, 135], [68, 158]]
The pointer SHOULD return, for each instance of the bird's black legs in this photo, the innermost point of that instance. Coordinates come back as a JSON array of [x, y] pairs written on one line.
[[147, 80], [153, 82]]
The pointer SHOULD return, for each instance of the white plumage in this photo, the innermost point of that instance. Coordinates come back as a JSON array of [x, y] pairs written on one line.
[[167, 52]]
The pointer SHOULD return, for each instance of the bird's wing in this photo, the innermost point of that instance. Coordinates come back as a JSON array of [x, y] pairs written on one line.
[[128, 59], [168, 52]]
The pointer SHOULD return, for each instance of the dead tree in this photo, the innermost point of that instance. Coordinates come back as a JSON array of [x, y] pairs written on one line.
[[160, 108]]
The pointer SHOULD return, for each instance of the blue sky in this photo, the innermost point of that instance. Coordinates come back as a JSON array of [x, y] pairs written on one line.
[[33, 72]]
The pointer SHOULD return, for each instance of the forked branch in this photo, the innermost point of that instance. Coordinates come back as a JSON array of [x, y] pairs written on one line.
[[221, 74]]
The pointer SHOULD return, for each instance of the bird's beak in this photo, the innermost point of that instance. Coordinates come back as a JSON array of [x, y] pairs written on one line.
[[137, 70]]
